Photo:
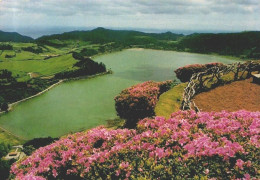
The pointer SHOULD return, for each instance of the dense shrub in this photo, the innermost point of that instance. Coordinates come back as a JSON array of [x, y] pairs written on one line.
[[4, 149], [77, 56], [188, 145], [4, 46], [86, 67], [10, 56], [185, 73], [139, 100], [4, 106], [5, 74], [88, 52], [40, 142], [36, 143], [4, 165], [35, 50]]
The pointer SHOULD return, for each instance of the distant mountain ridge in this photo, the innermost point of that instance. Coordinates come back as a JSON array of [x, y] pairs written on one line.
[[102, 35], [14, 37], [241, 44]]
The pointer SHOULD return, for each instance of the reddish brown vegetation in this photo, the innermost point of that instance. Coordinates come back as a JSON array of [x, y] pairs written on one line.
[[232, 97]]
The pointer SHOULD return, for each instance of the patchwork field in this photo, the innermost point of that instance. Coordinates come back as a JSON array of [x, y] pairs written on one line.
[[48, 62]]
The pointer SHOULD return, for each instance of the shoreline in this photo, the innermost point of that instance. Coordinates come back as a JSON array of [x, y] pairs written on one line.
[[234, 58], [12, 105]]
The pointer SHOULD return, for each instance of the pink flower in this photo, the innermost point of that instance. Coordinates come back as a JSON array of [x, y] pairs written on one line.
[[247, 177], [248, 163], [118, 172], [240, 164], [128, 174], [186, 136], [140, 169], [54, 173], [124, 165]]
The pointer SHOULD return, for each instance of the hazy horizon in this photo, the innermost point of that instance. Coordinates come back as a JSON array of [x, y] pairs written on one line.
[[38, 32], [42, 17]]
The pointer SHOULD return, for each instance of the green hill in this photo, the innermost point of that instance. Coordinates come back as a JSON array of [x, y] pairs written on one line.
[[244, 44], [14, 37], [102, 35]]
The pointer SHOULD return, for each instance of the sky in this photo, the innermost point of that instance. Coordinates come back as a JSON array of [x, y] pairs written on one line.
[[162, 15]]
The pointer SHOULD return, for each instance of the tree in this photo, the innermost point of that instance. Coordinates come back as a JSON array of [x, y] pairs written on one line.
[[28, 150], [4, 107]]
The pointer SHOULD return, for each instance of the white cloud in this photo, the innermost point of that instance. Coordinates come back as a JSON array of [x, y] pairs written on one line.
[[162, 14]]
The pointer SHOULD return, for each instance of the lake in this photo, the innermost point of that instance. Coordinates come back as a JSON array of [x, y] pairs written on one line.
[[83, 104]]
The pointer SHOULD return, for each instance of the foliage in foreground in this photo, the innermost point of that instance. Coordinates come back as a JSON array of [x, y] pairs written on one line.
[[4, 164], [138, 101], [188, 145]]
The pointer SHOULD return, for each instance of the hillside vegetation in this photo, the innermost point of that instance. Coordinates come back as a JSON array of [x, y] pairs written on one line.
[[243, 45], [14, 37], [102, 35]]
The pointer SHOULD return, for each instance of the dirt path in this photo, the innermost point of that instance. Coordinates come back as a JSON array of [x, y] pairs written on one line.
[[232, 97]]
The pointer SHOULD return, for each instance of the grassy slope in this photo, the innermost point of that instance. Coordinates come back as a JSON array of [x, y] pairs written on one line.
[[9, 139], [170, 101], [44, 67], [26, 62]]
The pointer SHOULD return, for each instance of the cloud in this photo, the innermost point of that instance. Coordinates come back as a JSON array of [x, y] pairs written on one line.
[[135, 13], [105, 7]]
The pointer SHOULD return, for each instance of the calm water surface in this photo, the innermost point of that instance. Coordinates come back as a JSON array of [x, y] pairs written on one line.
[[83, 104]]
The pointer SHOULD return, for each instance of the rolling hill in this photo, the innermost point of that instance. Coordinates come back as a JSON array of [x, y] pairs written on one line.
[[243, 44], [102, 35], [14, 37]]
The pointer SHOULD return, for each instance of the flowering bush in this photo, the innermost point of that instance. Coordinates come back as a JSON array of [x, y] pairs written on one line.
[[139, 101], [185, 73], [188, 145]]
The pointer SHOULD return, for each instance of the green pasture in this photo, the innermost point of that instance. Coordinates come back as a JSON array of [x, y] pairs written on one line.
[[42, 67], [170, 101]]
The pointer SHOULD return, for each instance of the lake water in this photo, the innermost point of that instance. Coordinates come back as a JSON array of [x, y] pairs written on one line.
[[82, 104]]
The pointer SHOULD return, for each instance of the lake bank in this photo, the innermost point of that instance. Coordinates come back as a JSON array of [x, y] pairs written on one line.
[[12, 105], [84, 104]]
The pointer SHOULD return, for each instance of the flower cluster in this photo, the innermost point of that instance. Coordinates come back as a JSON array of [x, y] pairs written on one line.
[[188, 145], [185, 73], [139, 100]]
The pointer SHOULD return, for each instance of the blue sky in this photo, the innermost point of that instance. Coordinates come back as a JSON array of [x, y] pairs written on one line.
[[195, 15]]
